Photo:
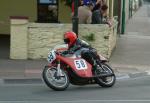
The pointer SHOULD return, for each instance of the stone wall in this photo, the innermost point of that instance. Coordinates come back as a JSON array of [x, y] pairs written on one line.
[[42, 37]]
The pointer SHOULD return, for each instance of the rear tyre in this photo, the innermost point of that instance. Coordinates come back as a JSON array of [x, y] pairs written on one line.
[[53, 81], [105, 81]]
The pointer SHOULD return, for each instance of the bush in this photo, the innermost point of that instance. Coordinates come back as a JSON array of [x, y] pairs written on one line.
[[90, 37]]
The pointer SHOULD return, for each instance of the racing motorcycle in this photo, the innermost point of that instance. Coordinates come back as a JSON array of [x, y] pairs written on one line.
[[70, 68]]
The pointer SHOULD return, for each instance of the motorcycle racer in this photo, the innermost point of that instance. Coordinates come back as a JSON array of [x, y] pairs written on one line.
[[80, 47], [79, 65]]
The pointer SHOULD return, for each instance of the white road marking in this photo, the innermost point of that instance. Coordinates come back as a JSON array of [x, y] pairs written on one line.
[[148, 72], [123, 77], [76, 101]]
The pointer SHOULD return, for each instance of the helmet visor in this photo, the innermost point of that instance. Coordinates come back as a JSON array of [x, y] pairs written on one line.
[[66, 41]]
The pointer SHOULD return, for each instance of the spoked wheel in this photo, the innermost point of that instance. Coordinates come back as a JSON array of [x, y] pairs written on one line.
[[53, 81], [107, 81]]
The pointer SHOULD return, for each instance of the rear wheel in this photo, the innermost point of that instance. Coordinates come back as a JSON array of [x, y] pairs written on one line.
[[53, 81], [108, 81]]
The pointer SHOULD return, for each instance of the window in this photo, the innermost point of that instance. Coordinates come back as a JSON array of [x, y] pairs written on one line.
[[48, 11], [48, 2]]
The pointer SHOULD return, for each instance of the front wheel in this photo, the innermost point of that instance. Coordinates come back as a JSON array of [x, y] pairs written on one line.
[[58, 83], [108, 81]]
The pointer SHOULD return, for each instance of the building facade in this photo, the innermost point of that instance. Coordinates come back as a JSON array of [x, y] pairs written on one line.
[[42, 11], [16, 8], [45, 12]]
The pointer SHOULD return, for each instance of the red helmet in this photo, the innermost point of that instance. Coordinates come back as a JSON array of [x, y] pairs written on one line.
[[70, 38]]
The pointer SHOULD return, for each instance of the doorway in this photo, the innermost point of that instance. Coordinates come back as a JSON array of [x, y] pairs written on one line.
[[4, 46]]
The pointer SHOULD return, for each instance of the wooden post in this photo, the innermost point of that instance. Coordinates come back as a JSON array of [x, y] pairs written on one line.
[[108, 7], [111, 8]]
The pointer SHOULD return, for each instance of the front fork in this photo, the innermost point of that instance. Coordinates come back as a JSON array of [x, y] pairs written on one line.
[[98, 62], [59, 71]]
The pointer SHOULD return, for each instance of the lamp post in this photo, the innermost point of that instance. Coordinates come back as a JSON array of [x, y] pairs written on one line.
[[75, 17], [123, 17]]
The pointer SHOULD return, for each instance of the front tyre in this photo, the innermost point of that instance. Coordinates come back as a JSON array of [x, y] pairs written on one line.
[[105, 81], [53, 81]]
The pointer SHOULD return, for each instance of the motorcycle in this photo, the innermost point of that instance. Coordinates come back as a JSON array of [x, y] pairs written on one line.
[[65, 69]]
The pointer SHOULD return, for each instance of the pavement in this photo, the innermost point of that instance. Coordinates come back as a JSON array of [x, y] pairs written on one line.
[[129, 59], [132, 51]]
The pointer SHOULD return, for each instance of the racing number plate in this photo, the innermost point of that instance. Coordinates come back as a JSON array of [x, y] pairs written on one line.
[[80, 64], [51, 56]]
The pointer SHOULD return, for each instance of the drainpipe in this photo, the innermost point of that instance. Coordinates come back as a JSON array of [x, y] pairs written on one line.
[[123, 18], [75, 18]]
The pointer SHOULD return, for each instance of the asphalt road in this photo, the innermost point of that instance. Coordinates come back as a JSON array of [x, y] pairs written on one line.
[[133, 90]]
